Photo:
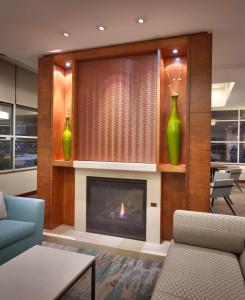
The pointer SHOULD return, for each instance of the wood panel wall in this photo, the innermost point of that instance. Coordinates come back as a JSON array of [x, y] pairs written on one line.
[[54, 184], [183, 187], [44, 152], [191, 189], [200, 121]]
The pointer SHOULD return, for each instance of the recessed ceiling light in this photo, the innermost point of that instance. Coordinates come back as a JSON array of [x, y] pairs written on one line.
[[101, 28], [55, 51], [66, 34], [68, 64], [140, 20], [175, 51]]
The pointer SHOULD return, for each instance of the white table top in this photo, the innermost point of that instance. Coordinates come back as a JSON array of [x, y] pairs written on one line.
[[41, 273]]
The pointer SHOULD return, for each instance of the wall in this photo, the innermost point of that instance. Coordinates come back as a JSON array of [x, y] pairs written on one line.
[[20, 86], [18, 182]]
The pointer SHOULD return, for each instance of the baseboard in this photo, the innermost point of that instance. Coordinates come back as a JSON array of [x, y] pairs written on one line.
[[28, 194]]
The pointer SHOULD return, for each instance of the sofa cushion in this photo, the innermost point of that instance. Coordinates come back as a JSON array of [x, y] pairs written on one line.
[[191, 272], [12, 231], [242, 262], [3, 211]]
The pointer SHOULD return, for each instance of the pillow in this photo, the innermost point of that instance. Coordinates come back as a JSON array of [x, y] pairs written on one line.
[[3, 211]]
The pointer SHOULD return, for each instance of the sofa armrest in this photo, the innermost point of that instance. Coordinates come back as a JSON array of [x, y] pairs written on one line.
[[27, 210], [222, 232]]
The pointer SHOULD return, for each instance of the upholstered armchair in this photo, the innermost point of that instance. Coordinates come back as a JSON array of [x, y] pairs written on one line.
[[23, 227]]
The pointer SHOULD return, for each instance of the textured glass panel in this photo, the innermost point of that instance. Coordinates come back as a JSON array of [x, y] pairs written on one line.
[[224, 152], [26, 121], [242, 131], [5, 119], [117, 104], [5, 154], [225, 115], [225, 131], [242, 153], [25, 153]]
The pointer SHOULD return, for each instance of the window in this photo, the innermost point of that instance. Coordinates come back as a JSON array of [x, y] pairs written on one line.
[[228, 136], [18, 137], [5, 153], [6, 127], [26, 121]]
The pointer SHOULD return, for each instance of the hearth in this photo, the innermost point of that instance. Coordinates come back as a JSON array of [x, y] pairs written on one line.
[[116, 207]]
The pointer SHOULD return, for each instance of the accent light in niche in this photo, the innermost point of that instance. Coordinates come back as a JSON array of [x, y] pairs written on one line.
[[175, 51], [67, 64]]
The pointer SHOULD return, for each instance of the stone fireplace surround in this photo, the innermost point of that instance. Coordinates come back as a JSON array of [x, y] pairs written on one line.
[[120, 170]]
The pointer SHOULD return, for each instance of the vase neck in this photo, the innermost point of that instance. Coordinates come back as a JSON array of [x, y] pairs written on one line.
[[67, 126], [174, 106]]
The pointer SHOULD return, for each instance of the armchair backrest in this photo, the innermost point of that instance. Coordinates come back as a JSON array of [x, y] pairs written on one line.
[[221, 175], [235, 173], [27, 210], [222, 188]]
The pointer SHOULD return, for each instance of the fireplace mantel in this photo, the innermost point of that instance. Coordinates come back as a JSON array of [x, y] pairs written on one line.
[[119, 166]]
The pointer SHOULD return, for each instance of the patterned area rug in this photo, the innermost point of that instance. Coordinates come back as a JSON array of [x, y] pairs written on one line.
[[117, 277]]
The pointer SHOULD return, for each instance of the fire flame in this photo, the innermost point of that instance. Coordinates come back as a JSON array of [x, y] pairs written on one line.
[[122, 211]]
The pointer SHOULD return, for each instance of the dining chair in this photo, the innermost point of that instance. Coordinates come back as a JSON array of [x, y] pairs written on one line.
[[235, 174], [221, 175], [222, 188]]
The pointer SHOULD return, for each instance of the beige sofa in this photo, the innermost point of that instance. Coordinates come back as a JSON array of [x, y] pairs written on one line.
[[206, 259]]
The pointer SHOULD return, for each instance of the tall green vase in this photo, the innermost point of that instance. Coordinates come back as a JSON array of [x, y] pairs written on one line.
[[174, 133], [66, 139]]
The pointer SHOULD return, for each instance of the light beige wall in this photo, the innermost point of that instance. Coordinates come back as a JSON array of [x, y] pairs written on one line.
[[18, 182], [7, 82], [26, 87]]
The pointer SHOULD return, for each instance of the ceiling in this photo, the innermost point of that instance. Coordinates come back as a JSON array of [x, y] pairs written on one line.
[[30, 28]]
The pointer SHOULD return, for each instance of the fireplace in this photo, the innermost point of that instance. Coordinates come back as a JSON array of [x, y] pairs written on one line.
[[116, 207]]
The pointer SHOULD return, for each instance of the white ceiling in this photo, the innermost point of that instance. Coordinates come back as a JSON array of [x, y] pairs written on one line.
[[29, 28]]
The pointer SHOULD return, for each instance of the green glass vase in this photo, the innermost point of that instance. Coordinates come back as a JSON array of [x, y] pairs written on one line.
[[66, 139], [174, 133]]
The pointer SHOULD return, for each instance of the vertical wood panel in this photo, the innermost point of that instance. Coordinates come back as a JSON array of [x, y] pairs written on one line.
[[57, 197], [200, 115], [200, 131], [69, 196], [44, 161], [173, 197]]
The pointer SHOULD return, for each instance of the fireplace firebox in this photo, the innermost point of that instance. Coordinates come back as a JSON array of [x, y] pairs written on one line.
[[116, 207]]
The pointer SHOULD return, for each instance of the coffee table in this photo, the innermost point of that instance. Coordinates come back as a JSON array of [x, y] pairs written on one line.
[[43, 273]]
